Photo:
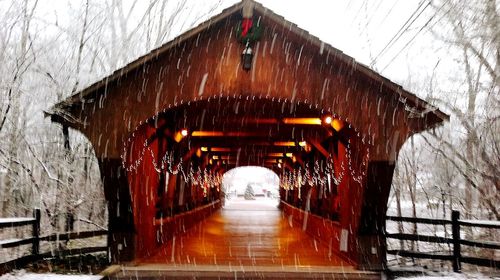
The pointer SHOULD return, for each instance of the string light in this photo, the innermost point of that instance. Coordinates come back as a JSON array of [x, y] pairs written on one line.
[[288, 181]]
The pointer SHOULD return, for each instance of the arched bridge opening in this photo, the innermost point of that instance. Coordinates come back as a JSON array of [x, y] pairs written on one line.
[[175, 162], [250, 187]]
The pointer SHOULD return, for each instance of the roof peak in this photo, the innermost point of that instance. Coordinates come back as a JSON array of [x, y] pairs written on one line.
[[254, 7], [247, 8]]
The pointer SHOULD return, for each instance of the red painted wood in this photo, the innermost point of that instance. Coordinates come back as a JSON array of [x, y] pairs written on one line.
[[242, 235]]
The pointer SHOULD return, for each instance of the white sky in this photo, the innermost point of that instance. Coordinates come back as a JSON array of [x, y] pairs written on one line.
[[362, 28], [359, 28]]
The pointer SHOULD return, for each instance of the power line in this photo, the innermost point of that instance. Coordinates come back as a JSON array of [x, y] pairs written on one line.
[[403, 29], [414, 36], [388, 13], [374, 12]]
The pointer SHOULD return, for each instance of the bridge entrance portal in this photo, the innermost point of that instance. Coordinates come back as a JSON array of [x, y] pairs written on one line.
[[176, 162]]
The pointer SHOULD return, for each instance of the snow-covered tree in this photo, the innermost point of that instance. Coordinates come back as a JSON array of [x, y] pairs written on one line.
[[249, 193]]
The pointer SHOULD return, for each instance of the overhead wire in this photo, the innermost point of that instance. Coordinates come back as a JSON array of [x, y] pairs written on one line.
[[404, 28], [414, 36], [374, 12], [388, 13]]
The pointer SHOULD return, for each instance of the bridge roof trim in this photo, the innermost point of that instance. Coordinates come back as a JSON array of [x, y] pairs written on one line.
[[61, 108]]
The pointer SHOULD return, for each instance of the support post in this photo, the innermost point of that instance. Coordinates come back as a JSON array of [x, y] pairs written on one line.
[[455, 230], [36, 232]]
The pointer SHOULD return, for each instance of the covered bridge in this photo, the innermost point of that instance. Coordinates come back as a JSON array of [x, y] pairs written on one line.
[[247, 87]]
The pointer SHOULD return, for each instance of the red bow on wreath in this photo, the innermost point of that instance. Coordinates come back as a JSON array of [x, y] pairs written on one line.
[[247, 31], [246, 25]]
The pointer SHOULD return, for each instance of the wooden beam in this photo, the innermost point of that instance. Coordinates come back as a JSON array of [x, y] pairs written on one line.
[[319, 147]]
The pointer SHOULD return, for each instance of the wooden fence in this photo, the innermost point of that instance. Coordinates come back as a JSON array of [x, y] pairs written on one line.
[[35, 240], [456, 241]]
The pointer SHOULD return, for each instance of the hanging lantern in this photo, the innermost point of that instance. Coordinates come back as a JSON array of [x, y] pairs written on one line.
[[247, 33], [247, 58]]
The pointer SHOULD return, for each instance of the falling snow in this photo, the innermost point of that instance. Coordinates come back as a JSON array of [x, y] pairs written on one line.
[[236, 138]]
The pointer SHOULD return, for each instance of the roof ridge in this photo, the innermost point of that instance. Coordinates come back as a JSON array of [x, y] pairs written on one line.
[[151, 55]]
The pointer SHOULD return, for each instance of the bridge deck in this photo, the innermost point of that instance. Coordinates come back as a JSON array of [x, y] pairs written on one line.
[[246, 233], [249, 239]]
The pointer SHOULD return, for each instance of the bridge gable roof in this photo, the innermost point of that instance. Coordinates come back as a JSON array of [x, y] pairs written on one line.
[[96, 89]]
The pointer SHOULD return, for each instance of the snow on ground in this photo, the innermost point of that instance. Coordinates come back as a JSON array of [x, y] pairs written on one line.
[[451, 276], [260, 203], [23, 275], [15, 220]]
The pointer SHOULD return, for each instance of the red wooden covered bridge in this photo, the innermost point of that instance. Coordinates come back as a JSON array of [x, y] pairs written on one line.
[[247, 87]]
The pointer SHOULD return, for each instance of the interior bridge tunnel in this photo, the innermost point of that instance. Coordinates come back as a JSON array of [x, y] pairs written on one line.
[[175, 162]]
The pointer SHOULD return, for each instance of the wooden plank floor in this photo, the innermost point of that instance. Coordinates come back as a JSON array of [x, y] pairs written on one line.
[[246, 233], [244, 240]]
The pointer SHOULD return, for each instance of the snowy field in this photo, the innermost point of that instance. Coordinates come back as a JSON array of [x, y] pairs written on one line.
[[259, 203], [264, 204], [23, 275], [451, 276]]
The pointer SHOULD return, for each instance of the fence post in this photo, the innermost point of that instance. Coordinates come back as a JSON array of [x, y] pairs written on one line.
[[455, 231], [36, 232]]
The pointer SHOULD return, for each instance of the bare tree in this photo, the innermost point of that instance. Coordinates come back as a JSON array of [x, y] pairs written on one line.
[[42, 165], [474, 153]]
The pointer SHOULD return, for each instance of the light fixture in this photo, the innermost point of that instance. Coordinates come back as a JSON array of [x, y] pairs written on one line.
[[307, 148], [204, 149], [218, 149], [247, 58], [180, 134], [275, 155], [302, 121], [284, 143], [302, 143], [289, 155], [205, 133], [327, 120], [337, 124]]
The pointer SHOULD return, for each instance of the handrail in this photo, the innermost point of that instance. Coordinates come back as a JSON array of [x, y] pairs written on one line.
[[36, 238], [15, 222], [73, 235], [482, 224], [418, 237], [419, 220], [457, 258], [166, 220]]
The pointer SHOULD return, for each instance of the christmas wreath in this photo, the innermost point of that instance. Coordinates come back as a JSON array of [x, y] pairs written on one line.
[[247, 31]]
